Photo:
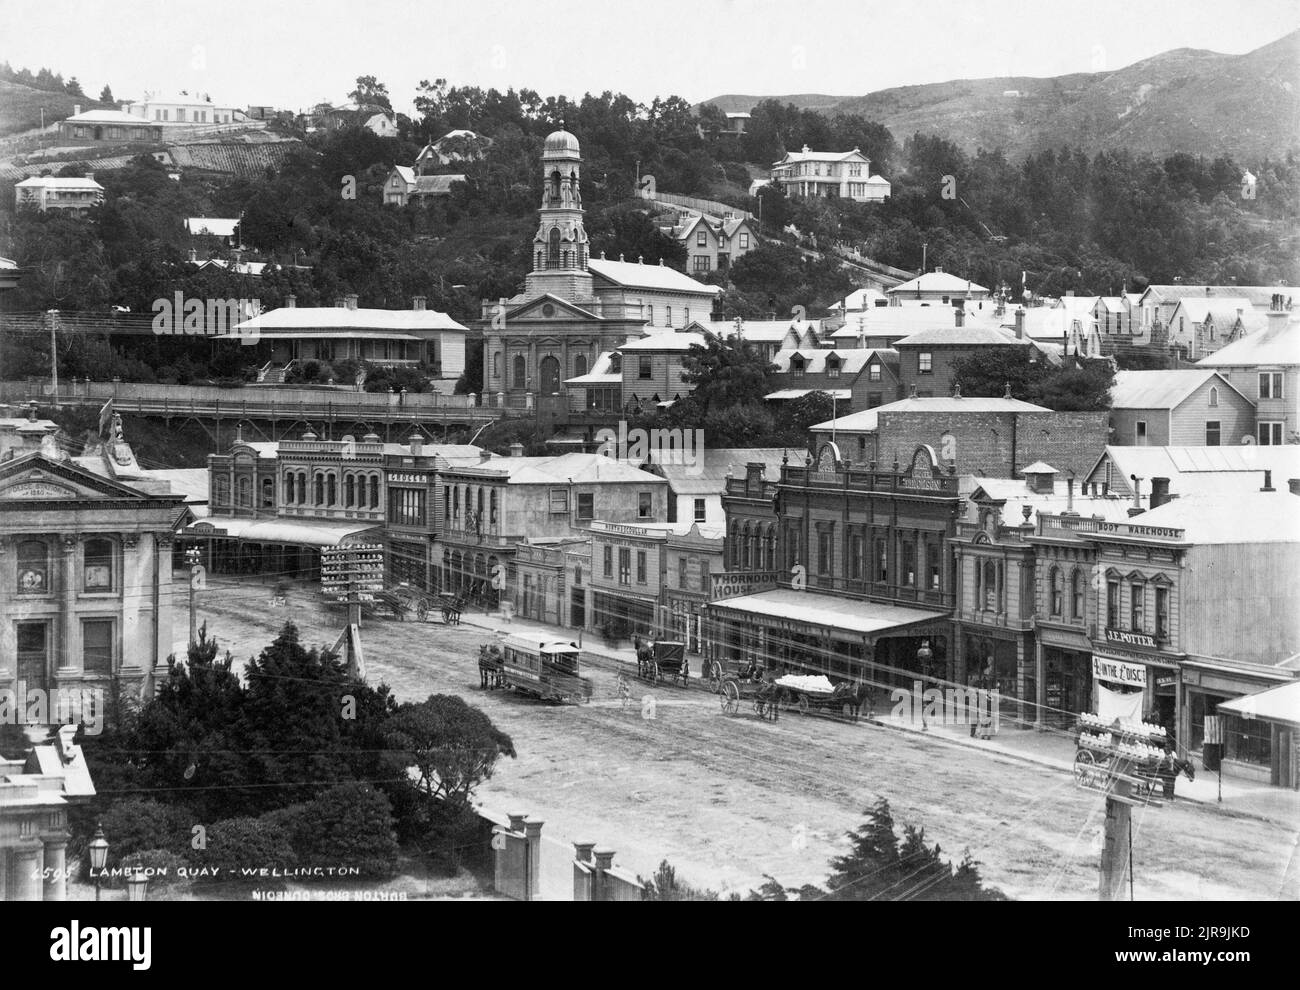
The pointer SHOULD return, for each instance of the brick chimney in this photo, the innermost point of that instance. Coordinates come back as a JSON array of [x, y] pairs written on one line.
[[516, 449], [418, 303], [1294, 485], [90, 177], [76, 109], [350, 301], [959, 315], [1136, 508], [1159, 492], [416, 443], [291, 301], [582, 851], [1020, 324]]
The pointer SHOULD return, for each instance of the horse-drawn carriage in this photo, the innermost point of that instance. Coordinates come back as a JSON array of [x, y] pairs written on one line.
[[452, 606], [1130, 749], [764, 695], [406, 602], [663, 660]]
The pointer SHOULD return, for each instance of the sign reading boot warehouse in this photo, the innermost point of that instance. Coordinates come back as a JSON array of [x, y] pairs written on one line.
[[1118, 672]]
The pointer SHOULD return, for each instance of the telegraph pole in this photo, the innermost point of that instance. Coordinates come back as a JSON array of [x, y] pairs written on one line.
[[54, 356]]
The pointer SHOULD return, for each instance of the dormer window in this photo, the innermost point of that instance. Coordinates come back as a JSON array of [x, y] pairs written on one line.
[[832, 367], [797, 367]]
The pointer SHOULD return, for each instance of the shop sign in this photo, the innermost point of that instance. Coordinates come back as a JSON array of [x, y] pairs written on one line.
[[1131, 638], [408, 479], [1119, 672], [1164, 682]]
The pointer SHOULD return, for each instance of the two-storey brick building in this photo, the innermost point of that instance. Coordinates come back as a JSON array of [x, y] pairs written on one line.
[[853, 576]]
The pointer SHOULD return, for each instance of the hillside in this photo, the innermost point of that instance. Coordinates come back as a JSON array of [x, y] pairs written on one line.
[[20, 107], [1189, 100]]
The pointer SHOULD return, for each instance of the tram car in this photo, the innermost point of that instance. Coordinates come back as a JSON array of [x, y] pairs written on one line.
[[549, 669]]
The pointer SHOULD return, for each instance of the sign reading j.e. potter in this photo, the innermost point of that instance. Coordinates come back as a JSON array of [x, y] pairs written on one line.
[[1118, 671], [1130, 638]]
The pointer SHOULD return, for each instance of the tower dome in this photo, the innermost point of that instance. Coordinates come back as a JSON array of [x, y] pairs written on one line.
[[561, 141]]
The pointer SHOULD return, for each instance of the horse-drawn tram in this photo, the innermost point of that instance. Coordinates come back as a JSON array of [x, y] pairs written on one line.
[[547, 668]]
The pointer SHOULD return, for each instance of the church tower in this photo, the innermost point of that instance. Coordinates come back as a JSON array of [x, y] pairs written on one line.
[[560, 245]]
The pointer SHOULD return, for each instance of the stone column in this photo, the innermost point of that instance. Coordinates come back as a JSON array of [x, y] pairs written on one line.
[[26, 874], [533, 833], [69, 661], [136, 593], [55, 884], [1040, 679], [162, 620]]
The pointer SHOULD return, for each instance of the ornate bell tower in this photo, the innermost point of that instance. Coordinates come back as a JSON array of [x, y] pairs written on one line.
[[560, 245]]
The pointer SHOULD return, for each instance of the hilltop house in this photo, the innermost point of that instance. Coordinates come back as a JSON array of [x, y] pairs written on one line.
[[75, 196], [830, 175]]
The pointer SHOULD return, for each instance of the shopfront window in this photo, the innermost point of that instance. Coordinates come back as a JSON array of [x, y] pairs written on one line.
[[1136, 602], [1245, 740]]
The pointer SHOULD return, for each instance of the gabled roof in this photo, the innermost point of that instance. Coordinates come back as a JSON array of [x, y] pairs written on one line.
[[806, 155], [851, 361], [707, 474], [61, 474], [1277, 344], [578, 468], [759, 331], [110, 117], [900, 321], [1233, 468], [215, 226], [52, 182], [601, 372], [636, 275], [308, 318], [1111, 304], [532, 304], [1224, 308], [1077, 305], [1161, 389], [937, 281], [436, 185], [1242, 517], [669, 340], [406, 172], [867, 420], [1259, 295], [962, 336], [860, 299]]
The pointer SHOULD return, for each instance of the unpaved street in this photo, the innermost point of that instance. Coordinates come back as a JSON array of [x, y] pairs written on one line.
[[727, 799]]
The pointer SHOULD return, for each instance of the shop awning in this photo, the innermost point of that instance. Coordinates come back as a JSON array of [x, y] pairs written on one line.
[[832, 612], [1279, 704], [294, 532]]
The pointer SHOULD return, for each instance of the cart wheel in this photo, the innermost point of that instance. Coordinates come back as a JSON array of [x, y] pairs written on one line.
[[1084, 763], [422, 611], [730, 695], [802, 704], [715, 677]]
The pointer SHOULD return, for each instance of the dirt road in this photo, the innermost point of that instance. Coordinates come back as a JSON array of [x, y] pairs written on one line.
[[727, 799]]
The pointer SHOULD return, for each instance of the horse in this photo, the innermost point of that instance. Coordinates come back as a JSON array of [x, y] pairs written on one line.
[[855, 695], [1169, 769], [769, 699], [489, 667]]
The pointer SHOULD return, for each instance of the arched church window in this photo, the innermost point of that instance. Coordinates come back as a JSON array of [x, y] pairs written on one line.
[[555, 185], [580, 365], [553, 248], [521, 372]]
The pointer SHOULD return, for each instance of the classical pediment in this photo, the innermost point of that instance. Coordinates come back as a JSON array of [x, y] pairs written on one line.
[[550, 307], [36, 478]]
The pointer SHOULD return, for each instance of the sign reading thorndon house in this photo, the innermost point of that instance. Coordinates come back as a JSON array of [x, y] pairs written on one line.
[[1130, 638], [1119, 672]]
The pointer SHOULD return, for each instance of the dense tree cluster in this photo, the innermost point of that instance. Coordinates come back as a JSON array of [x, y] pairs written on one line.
[[298, 764]]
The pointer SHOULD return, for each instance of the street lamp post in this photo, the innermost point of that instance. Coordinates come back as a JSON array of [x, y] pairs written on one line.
[[137, 885], [98, 857], [924, 655]]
